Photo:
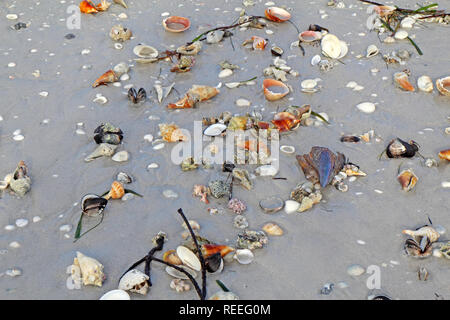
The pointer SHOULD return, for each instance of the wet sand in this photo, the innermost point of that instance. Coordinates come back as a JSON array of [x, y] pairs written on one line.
[[318, 245]]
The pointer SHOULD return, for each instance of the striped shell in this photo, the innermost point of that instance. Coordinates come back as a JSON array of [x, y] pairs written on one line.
[[117, 191]]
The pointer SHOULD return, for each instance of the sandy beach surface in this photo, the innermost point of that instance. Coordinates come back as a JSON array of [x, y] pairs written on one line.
[[362, 226]]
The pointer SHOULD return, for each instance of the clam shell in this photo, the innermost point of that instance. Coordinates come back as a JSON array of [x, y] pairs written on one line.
[[188, 258], [331, 46], [372, 50], [401, 34], [291, 206], [92, 204], [425, 84], [407, 179], [179, 275], [277, 51], [215, 130], [169, 23], [134, 281], [309, 36], [145, 51], [443, 85], [171, 256], [215, 36], [271, 204], [309, 84], [287, 149], [271, 95], [407, 22], [315, 60], [244, 256], [115, 295], [366, 107], [277, 14]]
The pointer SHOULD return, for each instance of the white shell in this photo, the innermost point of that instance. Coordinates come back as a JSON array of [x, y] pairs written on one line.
[[351, 84], [401, 34], [91, 270], [188, 258], [225, 73], [244, 256], [179, 275], [121, 68], [366, 107], [315, 60], [100, 100], [145, 51], [372, 50], [291, 206], [287, 149], [266, 170], [215, 130], [132, 279], [232, 85], [115, 295], [242, 103], [407, 22], [121, 156], [424, 83], [331, 46], [309, 84]]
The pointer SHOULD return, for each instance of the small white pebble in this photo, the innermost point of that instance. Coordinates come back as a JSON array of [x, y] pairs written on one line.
[[165, 14], [18, 137], [14, 244], [445, 184], [153, 166], [36, 219], [378, 191], [242, 103], [65, 228], [21, 223], [85, 51], [43, 94], [11, 65], [148, 138], [361, 242], [10, 227]]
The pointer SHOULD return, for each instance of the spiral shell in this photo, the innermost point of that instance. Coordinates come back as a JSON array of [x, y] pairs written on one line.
[[116, 192]]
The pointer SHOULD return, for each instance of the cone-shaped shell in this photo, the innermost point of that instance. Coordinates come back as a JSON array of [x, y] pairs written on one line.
[[407, 179], [176, 24], [401, 80], [443, 85], [91, 270], [108, 77], [274, 89], [277, 14], [188, 258], [122, 3], [309, 36], [203, 93], [171, 257], [426, 231], [445, 154], [116, 192], [210, 249], [86, 7]]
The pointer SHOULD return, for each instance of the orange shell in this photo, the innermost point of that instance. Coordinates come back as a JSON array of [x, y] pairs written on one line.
[[87, 7], [259, 43], [443, 86], [407, 179], [384, 11], [401, 79], [171, 133], [108, 77], [184, 103], [117, 191], [272, 96], [171, 257], [210, 249], [445, 155], [103, 5], [178, 20], [277, 14], [285, 121], [203, 92]]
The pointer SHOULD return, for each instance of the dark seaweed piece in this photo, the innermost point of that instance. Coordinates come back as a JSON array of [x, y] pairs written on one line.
[[353, 139], [69, 36], [315, 27], [228, 167]]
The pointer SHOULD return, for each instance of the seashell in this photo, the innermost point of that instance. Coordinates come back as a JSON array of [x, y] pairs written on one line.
[[215, 130], [266, 170], [171, 133], [122, 3], [407, 179], [202, 192], [272, 204], [119, 33], [188, 101], [401, 79], [214, 36], [308, 84], [424, 83], [93, 205], [3, 185], [191, 49], [19, 182], [134, 281], [121, 156], [203, 93], [276, 51], [211, 249], [179, 285], [189, 164], [184, 64], [124, 178], [91, 270], [414, 250], [306, 204], [138, 96], [180, 275], [108, 77], [372, 50], [145, 51], [103, 5], [116, 192], [274, 90], [401, 34], [423, 274], [87, 7], [214, 263], [366, 107], [309, 36], [407, 22], [333, 47], [277, 14], [121, 68], [243, 178], [115, 295], [443, 85], [224, 295], [219, 188], [244, 256], [108, 133], [236, 205], [315, 27], [398, 148], [176, 24], [426, 231], [287, 149], [251, 240], [188, 258], [171, 257], [225, 73], [444, 154], [272, 229], [384, 11], [258, 43], [103, 150], [100, 99], [315, 60], [240, 222], [353, 139]]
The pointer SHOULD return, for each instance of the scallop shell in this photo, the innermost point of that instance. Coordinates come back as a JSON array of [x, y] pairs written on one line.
[[180, 275], [145, 51], [215, 130], [134, 281], [443, 85], [425, 84], [91, 270], [272, 96], [116, 192], [188, 258], [272, 229], [372, 50], [309, 36], [244, 256], [176, 20], [115, 295], [401, 80], [277, 14]]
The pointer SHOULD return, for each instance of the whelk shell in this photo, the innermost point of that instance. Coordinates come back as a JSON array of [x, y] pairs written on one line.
[[176, 24], [134, 281], [309, 36], [401, 79], [91, 270], [407, 179], [188, 258], [108, 77], [424, 83], [277, 14], [443, 85], [274, 90]]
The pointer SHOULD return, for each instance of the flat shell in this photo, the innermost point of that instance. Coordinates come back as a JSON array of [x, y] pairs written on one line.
[[366, 107], [180, 275], [272, 204], [244, 256], [145, 51], [215, 130], [189, 258], [115, 295]]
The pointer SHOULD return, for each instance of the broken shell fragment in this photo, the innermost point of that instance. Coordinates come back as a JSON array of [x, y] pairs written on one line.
[[146, 52], [176, 24], [203, 93], [171, 257], [215, 130], [258, 43], [272, 229], [188, 258], [214, 263], [108, 133], [401, 80], [87, 7], [122, 3], [444, 155], [171, 133], [187, 102], [214, 36], [244, 256], [274, 90], [407, 179], [401, 34], [134, 281], [443, 85], [191, 49], [103, 150], [19, 181], [425, 84], [276, 51], [184, 64], [366, 107], [309, 36], [277, 14], [211, 249], [108, 77], [119, 33], [91, 270], [413, 249], [115, 295]]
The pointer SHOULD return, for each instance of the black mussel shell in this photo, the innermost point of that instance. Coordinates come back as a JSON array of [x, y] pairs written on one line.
[[20, 25], [138, 96], [213, 262], [132, 95], [93, 205], [398, 148], [69, 36], [141, 95], [228, 167], [107, 133], [413, 249], [315, 27], [350, 139]]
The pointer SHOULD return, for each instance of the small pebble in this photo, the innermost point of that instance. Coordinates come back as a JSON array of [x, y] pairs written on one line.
[[242, 103], [355, 270], [43, 94], [445, 184], [159, 146], [153, 166], [170, 194], [127, 196], [225, 73], [121, 156], [65, 228], [148, 138], [36, 219], [21, 223], [14, 245], [10, 227], [13, 272]]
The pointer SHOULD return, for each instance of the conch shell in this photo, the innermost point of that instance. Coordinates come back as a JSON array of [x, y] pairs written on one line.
[[407, 179], [116, 192], [108, 77], [91, 270], [401, 79], [171, 133], [426, 231]]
